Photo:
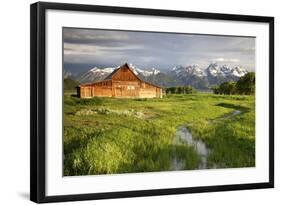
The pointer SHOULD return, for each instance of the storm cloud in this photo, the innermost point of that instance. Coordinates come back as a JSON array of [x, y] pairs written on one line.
[[152, 49]]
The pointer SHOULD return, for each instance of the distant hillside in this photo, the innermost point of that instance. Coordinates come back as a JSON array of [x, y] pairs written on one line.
[[69, 84]]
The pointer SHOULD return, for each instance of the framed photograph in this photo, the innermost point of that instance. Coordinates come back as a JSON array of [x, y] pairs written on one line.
[[129, 102]]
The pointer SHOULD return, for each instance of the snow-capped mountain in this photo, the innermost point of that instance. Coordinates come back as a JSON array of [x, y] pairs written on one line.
[[214, 74], [190, 75], [193, 75], [239, 71], [188, 70], [145, 72], [215, 70], [96, 73], [220, 73]]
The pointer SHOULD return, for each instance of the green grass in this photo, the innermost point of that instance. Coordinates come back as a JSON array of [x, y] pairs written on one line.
[[109, 135]]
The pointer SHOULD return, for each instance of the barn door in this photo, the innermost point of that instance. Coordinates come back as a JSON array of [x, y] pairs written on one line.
[[118, 92], [89, 92]]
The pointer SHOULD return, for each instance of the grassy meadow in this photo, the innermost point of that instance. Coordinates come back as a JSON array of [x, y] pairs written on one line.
[[110, 135]]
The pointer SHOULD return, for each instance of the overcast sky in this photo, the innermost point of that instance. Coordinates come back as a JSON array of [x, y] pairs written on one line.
[[160, 50]]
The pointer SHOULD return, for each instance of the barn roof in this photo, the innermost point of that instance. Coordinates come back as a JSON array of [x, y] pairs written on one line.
[[89, 84], [109, 77]]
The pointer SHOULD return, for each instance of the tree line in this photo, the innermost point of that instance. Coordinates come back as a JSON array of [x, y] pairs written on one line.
[[244, 86], [180, 90]]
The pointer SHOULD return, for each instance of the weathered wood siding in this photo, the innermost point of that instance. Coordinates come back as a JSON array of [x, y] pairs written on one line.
[[125, 88], [102, 89], [124, 74], [147, 91]]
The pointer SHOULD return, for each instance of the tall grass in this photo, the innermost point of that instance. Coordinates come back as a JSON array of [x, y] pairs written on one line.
[[113, 142]]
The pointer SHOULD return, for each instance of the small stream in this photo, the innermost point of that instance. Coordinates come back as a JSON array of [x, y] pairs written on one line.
[[184, 135], [234, 113]]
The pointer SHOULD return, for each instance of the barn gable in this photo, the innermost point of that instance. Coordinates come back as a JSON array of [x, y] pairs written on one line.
[[123, 73]]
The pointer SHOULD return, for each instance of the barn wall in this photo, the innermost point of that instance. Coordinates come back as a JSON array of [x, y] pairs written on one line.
[[148, 91], [102, 91], [98, 91], [122, 89], [125, 89]]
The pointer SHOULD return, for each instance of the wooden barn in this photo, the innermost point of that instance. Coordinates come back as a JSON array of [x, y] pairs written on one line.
[[121, 83]]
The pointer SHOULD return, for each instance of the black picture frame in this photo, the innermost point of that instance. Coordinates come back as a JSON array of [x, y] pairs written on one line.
[[38, 100]]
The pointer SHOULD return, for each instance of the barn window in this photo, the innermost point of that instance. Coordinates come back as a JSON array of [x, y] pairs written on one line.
[[131, 87]]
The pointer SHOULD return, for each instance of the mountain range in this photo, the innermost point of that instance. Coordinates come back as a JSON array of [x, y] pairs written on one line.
[[193, 75]]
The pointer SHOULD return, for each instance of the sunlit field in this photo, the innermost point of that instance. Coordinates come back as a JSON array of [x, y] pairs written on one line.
[[109, 135]]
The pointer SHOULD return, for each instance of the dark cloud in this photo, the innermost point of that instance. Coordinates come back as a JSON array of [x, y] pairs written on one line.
[[151, 49]]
